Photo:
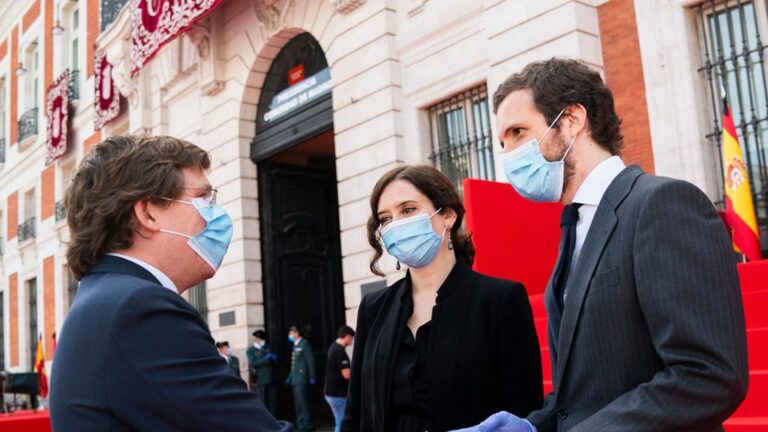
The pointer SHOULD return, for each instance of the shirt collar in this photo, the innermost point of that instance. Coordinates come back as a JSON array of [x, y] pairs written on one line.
[[592, 190], [160, 276]]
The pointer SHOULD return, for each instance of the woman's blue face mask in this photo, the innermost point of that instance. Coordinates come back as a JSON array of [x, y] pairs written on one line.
[[413, 241]]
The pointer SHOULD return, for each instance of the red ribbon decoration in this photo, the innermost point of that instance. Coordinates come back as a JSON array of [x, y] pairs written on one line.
[[57, 112], [154, 23], [106, 103]]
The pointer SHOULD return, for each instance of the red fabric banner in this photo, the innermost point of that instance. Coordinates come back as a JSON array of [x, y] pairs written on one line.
[[154, 23], [57, 112], [106, 103]]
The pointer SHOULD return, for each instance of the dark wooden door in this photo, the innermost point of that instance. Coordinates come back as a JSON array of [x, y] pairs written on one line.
[[301, 263]]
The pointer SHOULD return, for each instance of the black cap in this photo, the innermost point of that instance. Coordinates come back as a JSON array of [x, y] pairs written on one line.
[[261, 334]]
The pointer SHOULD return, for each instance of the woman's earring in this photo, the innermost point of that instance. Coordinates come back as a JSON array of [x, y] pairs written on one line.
[[397, 266], [450, 244]]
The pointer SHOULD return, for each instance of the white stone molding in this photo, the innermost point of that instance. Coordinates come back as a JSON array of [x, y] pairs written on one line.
[[346, 6]]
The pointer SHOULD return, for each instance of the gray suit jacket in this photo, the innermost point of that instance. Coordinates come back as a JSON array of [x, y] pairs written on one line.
[[652, 335]]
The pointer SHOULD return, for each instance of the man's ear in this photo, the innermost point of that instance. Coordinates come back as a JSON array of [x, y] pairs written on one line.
[[143, 211], [575, 119]]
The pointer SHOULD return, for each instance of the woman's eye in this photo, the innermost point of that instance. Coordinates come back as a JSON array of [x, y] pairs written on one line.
[[384, 221], [409, 210]]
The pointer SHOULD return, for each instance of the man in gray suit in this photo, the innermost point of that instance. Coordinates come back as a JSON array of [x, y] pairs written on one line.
[[646, 328]]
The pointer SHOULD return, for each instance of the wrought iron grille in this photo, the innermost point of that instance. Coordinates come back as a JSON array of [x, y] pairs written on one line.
[[199, 300], [2, 150], [74, 85], [734, 60], [110, 9], [27, 230], [462, 146], [32, 297], [28, 124], [60, 211]]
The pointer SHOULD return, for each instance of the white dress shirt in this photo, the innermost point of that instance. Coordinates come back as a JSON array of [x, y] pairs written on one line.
[[160, 276], [589, 195]]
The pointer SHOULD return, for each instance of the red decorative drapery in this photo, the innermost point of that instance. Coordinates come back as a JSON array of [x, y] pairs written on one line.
[[106, 103], [57, 112], [154, 23]]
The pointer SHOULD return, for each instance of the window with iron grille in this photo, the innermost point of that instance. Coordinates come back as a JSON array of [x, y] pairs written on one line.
[[199, 300], [734, 61], [461, 137], [32, 297]]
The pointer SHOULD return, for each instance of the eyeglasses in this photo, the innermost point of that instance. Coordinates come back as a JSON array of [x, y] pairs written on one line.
[[210, 199]]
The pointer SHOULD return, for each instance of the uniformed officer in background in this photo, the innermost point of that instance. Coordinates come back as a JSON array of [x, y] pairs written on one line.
[[302, 375], [232, 361], [261, 363]]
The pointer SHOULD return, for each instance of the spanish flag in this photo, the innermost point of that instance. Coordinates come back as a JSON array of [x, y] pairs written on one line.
[[42, 380], [739, 208]]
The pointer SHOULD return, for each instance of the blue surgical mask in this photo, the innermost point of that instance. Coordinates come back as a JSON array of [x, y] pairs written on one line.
[[212, 242], [413, 241], [532, 176], [291, 338]]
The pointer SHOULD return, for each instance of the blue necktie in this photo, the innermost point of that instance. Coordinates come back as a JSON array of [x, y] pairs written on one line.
[[568, 220]]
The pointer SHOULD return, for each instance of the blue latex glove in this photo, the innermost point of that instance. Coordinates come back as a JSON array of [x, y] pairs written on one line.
[[288, 381], [501, 422], [271, 356], [312, 381]]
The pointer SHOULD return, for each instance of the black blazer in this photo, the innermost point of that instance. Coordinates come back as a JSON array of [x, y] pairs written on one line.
[[484, 353], [135, 356]]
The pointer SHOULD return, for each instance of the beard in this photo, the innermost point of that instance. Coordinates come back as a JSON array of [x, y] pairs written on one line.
[[558, 146]]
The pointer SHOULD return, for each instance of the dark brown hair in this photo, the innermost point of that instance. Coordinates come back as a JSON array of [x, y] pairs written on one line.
[[557, 83], [439, 190], [116, 174]]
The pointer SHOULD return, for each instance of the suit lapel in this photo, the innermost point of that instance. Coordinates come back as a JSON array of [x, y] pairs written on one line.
[[599, 233]]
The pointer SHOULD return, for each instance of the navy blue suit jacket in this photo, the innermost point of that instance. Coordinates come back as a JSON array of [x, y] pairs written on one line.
[[133, 355]]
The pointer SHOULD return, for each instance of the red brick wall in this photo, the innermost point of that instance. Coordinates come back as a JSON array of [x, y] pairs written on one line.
[[93, 32], [48, 54], [91, 141], [3, 49], [624, 76], [49, 305], [14, 126], [13, 311], [30, 16], [48, 192], [13, 215]]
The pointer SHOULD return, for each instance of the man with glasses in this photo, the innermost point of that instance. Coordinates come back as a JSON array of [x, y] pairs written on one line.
[[144, 228]]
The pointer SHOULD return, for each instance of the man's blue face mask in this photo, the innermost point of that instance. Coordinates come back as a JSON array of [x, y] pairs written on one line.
[[212, 242], [532, 176]]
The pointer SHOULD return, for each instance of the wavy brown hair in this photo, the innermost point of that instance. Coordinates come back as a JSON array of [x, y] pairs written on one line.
[[116, 174], [440, 191]]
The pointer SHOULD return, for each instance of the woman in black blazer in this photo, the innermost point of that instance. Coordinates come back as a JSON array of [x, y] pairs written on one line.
[[444, 347]]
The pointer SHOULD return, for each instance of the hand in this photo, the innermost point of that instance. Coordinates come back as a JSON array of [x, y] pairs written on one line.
[[271, 356], [501, 422], [312, 381], [288, 381]]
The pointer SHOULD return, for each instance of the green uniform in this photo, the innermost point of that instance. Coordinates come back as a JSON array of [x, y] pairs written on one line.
[[263, 373], [234, 364], [302, 373]]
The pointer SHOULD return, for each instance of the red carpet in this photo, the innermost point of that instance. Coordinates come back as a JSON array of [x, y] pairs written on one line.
[[25, 421]]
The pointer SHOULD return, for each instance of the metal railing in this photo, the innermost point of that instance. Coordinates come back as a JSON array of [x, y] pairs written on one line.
[[60, 211], [110, 9], [462, 145], [28, 124], [734, 58], [27, 230]]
